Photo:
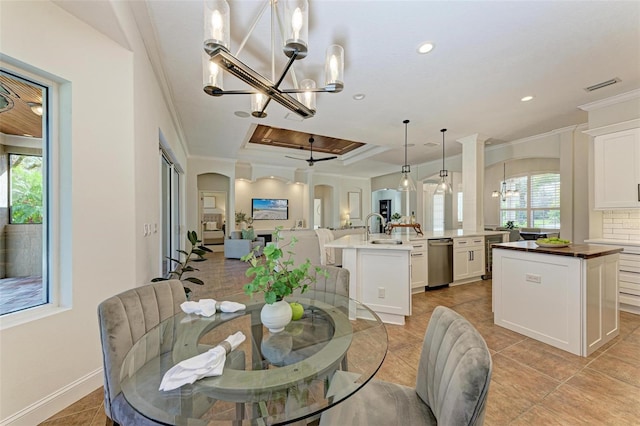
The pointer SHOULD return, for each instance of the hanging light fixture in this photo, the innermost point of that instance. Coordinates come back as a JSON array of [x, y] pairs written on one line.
[[443, 186], [406, 183], [505, 193], [294, 36]]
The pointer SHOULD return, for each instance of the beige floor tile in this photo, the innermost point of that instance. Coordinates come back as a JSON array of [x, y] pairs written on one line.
[[538, 415], [589, 408], [627, 370], [524, 381], [550, 361]]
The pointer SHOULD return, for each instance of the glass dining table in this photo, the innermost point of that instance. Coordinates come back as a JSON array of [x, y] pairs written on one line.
[[271, 378]]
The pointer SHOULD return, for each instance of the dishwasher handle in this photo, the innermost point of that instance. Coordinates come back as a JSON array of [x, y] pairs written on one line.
[[450, 243]]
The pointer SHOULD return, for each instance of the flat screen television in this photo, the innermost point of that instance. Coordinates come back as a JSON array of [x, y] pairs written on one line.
[[269, 209]]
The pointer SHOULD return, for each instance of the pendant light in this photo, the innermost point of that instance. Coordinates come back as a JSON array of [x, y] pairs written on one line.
[[505, 193], [406, 183], [443, 187]]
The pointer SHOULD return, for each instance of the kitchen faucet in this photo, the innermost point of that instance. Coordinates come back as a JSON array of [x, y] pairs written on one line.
[[366, 224]]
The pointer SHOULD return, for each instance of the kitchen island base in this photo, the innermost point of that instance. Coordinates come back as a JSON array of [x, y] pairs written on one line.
[[556, 296]]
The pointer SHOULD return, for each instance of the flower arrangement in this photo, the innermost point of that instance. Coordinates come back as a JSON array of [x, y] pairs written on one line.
[[274, 274]]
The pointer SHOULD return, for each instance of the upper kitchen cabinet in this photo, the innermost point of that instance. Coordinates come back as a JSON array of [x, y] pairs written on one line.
[[617, 170]]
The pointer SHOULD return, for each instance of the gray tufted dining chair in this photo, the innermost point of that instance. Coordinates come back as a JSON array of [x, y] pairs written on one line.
[[123, 319], [451, 387]]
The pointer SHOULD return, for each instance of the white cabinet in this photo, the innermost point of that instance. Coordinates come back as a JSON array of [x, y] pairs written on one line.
[[418, 266], [567, 302], [468, 258], [617, 170]]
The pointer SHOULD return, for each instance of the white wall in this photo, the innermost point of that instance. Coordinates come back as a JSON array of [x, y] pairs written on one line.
[[270, 188], [110, 184]]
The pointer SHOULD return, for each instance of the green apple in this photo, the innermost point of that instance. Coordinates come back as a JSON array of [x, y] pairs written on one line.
[[297, 310]]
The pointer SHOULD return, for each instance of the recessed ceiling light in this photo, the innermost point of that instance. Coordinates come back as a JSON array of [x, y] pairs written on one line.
[[241, 114], [425, 47], [527, 98], [358, 96]]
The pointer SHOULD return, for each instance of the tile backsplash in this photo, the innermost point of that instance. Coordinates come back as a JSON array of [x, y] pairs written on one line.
[[621, 224]]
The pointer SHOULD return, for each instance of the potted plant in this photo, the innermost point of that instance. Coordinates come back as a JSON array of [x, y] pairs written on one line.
[[241, 217], [275, 276], [195, 254], [395, 218]]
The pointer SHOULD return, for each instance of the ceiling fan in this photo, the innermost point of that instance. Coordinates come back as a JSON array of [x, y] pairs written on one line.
[[312, 160]]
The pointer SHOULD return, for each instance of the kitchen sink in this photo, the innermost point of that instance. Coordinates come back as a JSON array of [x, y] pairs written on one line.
[[389, 241]]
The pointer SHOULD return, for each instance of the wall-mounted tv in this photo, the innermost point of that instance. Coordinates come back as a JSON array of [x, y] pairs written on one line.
[[269, 209]]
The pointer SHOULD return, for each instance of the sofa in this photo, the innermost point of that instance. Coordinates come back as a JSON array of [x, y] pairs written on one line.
[[308, 245], [235, 247]]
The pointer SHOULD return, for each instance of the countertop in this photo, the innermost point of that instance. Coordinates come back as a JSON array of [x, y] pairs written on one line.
[[449, 233], [408, 237], [584, 251], [357, 241]]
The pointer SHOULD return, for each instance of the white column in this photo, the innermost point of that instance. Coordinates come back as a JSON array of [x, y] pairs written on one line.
[[473, 182]]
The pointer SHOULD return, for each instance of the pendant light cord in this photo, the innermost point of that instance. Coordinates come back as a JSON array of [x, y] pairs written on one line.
[[406, 122]]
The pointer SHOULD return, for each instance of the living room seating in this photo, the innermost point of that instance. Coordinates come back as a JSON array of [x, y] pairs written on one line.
[[241, 243], [453, 379]]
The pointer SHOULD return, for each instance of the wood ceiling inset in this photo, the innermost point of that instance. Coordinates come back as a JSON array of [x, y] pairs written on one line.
[[18, 119], [272, 136]]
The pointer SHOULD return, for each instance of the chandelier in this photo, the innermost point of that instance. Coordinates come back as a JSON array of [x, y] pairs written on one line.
[[294, 36], [406, 183], [504, 192]]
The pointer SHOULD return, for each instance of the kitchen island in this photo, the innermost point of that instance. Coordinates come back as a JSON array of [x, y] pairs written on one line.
[[379, 272], [383, 276], [565, 297]]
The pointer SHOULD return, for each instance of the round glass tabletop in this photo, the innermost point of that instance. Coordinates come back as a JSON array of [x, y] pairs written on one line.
[[271, 378]]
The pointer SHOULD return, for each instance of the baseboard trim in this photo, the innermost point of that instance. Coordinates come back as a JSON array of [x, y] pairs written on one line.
[[41, 410]]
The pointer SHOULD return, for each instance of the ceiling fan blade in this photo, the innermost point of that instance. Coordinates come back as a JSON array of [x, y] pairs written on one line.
[[326, 158], [296, 158]]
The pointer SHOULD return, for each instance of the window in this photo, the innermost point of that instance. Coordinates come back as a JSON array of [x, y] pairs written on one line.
[[538, 205], [24, 185], [438, 212]]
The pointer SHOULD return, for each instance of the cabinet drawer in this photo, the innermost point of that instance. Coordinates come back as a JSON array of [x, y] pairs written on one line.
[[418, 247], [417, 255], [629, 299], [468, 242], [629, 277], [630, 289], [630, 262]]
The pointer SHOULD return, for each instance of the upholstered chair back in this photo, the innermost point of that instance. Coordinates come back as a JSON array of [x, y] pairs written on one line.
[[124, 319], [454, 370]]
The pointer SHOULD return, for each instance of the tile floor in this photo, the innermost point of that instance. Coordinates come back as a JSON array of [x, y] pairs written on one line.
[[532, 383]]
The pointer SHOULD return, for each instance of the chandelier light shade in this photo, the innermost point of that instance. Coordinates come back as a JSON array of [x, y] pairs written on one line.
[[216, 23], [444, 187], [294, 35], [406, 182], [296, 27], [505, 193]]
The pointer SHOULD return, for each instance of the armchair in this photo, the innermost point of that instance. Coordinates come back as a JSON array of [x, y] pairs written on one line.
[[235, 246]]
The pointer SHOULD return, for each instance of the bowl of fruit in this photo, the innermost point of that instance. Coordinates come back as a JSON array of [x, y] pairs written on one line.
[[554, 242]]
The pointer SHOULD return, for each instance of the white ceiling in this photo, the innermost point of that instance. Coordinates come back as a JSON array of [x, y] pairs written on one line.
[[488, 55]]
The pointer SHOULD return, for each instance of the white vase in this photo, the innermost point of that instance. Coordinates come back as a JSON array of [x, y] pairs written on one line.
[[276, 316]]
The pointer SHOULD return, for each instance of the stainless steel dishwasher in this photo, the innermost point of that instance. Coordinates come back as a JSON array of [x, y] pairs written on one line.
[[440, 261]]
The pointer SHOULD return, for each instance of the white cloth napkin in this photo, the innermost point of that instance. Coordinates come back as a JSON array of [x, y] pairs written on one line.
[[208, 364], [208, 307]]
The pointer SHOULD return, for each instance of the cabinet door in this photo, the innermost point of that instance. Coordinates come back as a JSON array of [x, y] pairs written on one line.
[[617, 170], [476, 264], [418, 269], [461, 258]]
